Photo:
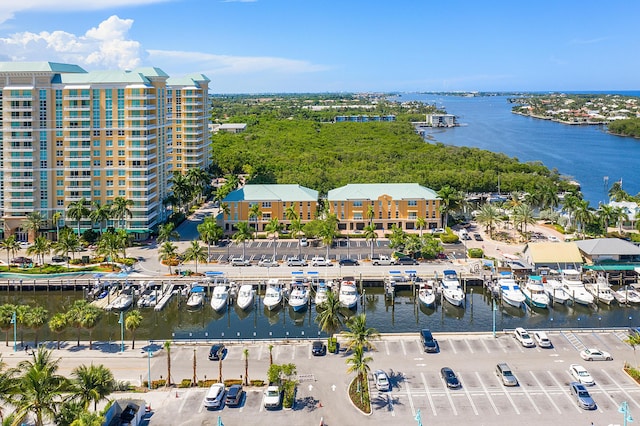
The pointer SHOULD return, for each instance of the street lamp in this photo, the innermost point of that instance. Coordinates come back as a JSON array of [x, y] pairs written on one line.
[[418, 417], [495, 308], [149, 367], [624, 409], [121, 322], [14, 321]]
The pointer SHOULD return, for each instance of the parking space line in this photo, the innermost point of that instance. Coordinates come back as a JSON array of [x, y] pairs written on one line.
[[448, 393], [420, 348], [573, 340], [545, 392], [495, 408], [386, 346], [526, 392], [185, 398], [260, 352], [468, 345], [453, 347], [426, 388], [597, 385], [466, 391], [621, 388], [404, 350], [413, 409], [564, 391], [484, 343], [293, 352]]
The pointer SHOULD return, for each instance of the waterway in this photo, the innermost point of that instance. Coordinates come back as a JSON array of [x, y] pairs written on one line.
[[399, 315], [586, 153]]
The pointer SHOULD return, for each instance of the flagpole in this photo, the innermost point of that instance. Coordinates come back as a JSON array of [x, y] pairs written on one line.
[[121, 331], [14, 321]]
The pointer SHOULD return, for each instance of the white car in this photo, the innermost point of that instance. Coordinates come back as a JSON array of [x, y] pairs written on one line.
[[268, 263], [542, 339], [523, 337], [320, 261], [593, 354], [303, 242], [215, 396], [272, 397], [581, 375], [553, 239], [240, 261], [382, 380]]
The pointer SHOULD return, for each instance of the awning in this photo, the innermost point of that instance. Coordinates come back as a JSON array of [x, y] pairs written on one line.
[[612, 267], [139, 231]]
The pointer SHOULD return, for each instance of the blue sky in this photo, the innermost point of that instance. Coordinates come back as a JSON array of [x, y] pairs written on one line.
[[247, 46]]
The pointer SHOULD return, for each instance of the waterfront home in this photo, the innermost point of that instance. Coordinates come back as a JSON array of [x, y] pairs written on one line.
[[273, 201], [552, 256], [631, 211], [384, 205]]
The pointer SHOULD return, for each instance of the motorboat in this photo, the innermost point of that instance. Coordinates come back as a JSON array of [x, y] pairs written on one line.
[[321, 293], [123, 301], [534, 293], [554, 290], [219, 297], [196, 297], [348, 295], [273, 294], [627, 294], [245, 296], [510, 290], [574, 287], [427, 294], [601, 290], [299, 296], [451, 289]]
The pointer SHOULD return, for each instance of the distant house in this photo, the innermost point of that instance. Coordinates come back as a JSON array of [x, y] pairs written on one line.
[[552, 255], [441, 120], [230, 127], [631, 209]]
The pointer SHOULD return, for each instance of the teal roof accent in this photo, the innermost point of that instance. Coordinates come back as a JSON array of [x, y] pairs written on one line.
[[613, 267], [188, 80], [274, 192], [40, 67], [373, 191], [151, 72], [128, 77]]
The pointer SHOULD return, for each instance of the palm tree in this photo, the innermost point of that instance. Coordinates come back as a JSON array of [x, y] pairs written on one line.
[[488, 216], [270, 355], [196, 253], [92, 384], [370, 234], [11, 245], [167, 232], [328, 231], [77, 210], [421, 223], [132, 322], [291, 213], [199, 180], [359, 334], [35, 318], [90, 318], [109, 245], [242, 234], [167, 347], [633, 340], [449, 201], [121, 210], [210, 233], [296, 229], [370, 214], [168, 254], [182, 189], [6, 319], [255, 213], [67, 243], [124, 240], [274, 227], [33, 224], [570, 205], [226, 211], [75, 315], [331, 318], [40, 247], [245, 353], [583, 215], [58, 324], [616, 193], [40, 389], [55, 219], [88, 419], [100, 214], [523, 216], [359, 364]]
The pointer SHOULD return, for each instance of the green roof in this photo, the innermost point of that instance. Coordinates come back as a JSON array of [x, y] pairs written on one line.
[[373, 191], [613, 267], [53, 67], [128, 77], [283, 193]]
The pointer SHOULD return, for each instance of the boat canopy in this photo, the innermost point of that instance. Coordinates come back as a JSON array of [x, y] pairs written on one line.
[[214, 273], [197, 289]]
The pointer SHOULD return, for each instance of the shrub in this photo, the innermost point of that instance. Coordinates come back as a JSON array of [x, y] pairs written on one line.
[[289, 393], [206, 383], [331, 344], [258, 383], [449, 238], [155, 384], [185, 383], [475, 253], [230, 382], [121, 386]]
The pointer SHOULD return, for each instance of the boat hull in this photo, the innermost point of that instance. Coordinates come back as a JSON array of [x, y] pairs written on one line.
[[428, 300], [453, 299], [515, 302]]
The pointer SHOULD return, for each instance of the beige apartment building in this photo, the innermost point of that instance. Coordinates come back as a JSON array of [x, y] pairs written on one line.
[[68, 134]]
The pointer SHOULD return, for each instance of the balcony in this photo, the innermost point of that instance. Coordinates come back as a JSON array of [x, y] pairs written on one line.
[[11, 199], [142, 147], [71, 199], [84, 148], [149, 157], [77, 98], [9, 178], [9, 148], [141, 138], [140, 107]]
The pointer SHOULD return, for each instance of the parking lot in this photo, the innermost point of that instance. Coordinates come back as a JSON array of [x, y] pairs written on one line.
[[543, 396]]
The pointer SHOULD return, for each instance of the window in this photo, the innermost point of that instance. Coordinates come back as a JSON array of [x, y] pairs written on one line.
[[59, 153], [357, 204], [121, 153], [120, 162], [96, 153], [96, 163], [266, 204], [109, 163], [43, 164], [96, 133], [412, 203], [60, 203], [96, 173], [59, 163], [109, 153]]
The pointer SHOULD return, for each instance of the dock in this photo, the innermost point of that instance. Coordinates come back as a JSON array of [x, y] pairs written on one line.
[[166, 297]]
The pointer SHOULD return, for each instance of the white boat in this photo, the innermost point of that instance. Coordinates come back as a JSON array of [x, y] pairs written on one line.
[[245, 296], [627, 294], [427, 294], [273, 294], [299, 297], [574, 287], [554, 290], [534, 293], [601, 290], [220, 297], [123, 301], [196, 297], [321, 293], [451, 289], [348, 295], [510, 290]]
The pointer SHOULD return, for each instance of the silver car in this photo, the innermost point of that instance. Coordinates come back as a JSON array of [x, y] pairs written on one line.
[[506, 376], [581, 394]]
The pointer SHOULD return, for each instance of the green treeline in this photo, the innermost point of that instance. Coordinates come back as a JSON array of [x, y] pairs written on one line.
[[630, 127], [306, 149]]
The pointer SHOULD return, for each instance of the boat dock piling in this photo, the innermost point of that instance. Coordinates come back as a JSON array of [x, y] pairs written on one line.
[[166, 296]]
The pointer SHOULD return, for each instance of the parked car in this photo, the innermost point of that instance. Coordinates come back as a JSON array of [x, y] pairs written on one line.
[[477, 237], [382, 380], [438, 231], [60, 259], [450, 378], [216, 352], [272, 398], [581, 375], [318, 348], [428, 342], [320, 261], [21, 260], [25, 244], [593, 354], [406, 261], [304, 242], [295, 261], [542, 339], [348, 262], [215, 396], [581, 394], [239, 261], [234, 396], [523, 337], [506, 376], [268, 263]]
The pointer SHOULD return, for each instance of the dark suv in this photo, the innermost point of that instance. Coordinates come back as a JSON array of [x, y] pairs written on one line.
[[318, 348], [216, 352], [428, 342], [407, 261]]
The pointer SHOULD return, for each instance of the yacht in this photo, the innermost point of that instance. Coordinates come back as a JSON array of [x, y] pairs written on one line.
[[348, 293], [554, 290], [574, 287], [427, 294], [196, 297], [273, 294], [534, 293], [510, 290], [123, 301], [220, 297], [321, 293], [245, 296], [451, 289], [299, 297], [627, 294], [601, 290]]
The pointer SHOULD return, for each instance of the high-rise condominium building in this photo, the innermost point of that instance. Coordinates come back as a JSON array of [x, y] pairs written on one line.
[[68, 134]]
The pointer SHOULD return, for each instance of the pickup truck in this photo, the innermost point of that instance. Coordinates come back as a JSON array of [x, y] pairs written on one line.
[[383, 260]]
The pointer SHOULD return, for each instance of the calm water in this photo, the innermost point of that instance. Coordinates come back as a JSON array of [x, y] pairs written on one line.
[[175, 321], [586, 153]]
